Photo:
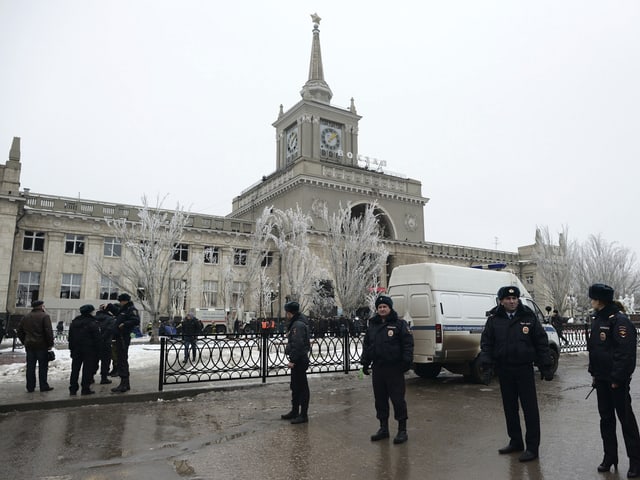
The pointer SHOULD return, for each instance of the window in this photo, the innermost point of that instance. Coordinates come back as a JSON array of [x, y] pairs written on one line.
[[181, 252], [237, 293], [112, 247], [108, 288], [178, 294], [267, 259], [211, 255], [140, 293], [70, 286], [28, 288], [33, 241], [74, 244], [209, 293], [239, 256], [529, 280]]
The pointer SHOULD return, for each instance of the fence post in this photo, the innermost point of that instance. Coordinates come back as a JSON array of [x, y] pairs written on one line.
[[264, 356], [162, 359], [346, 351]]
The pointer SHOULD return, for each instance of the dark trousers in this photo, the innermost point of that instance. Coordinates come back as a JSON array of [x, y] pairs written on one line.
[[300, 387], [105, 359], [612, 402], [388, 384], [518, 383], [39, 357], [122, 353], [87, 363], [189, 344]]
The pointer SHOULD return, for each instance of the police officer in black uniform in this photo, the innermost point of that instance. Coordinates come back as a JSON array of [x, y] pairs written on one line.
[[612, 360], [84, 344], [297, 350], [106, 323], [388, 347], [513, 340], [126, 321]]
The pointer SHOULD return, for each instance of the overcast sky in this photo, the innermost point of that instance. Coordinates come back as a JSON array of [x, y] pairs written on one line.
[[512, 114]]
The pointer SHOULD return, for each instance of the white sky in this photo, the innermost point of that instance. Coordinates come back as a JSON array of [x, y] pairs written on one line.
[[512, 114]]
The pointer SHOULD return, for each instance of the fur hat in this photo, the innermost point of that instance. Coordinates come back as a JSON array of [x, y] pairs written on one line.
[[85, 309], [292, 307], [383, 299], [124, 297], [602, 292], [509, 291]]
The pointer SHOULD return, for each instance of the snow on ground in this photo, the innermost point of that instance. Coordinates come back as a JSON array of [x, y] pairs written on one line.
[[141, 355]]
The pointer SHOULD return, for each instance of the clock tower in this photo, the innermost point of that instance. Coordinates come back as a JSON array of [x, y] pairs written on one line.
[[317, 165]]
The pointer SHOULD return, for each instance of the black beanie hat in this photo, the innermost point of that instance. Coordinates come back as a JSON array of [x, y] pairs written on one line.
[[602, 292], [292, 307], [384, 299], [84, 309]]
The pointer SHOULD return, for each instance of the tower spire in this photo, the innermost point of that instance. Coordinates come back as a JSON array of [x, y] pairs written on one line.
[[316, 88]]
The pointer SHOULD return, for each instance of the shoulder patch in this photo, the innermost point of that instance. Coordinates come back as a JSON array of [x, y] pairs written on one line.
[[622, 331]]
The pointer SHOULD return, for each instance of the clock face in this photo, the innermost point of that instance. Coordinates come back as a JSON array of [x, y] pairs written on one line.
[[292, 142], [330, 138]]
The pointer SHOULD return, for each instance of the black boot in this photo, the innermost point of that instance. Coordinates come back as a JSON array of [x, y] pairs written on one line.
[[302, 418], [105, 380], [383, 431], [123, 387], [290, 415], [402, 436]]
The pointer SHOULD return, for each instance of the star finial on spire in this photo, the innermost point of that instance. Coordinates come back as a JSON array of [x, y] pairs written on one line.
[[315, 18]]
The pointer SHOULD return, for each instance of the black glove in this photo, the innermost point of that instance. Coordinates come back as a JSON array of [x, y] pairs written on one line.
[[487, 374], [546, 374], [365, 370]]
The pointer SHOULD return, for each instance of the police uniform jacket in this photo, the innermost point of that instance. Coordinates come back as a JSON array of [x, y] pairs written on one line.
[[129, 318], [388, 342], [84, 336], [514, 342], [35, 330], [299, 344], [612, 346]]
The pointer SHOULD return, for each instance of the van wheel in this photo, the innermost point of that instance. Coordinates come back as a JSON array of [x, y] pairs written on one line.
[[208, 330], [427, 370], [221, 329], [555, 357]]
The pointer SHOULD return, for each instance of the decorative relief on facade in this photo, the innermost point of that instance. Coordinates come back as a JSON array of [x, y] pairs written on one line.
[[410, 222], [317, 207]]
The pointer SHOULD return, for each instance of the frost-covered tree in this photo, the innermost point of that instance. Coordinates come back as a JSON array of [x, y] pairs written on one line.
[[554, 266], [147, 264], [288, 231], [357, 255], [599, 261]]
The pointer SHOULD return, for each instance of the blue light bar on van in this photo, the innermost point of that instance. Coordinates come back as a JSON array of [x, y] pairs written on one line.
[[491, 266]]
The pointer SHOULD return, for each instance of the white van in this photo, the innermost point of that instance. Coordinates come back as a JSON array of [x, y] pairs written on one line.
[[447, 307]]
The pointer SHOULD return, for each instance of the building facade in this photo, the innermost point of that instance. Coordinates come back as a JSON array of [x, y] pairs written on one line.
[[53, 248]]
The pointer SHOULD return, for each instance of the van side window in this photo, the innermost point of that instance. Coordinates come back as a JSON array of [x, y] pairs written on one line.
[[420, 306]]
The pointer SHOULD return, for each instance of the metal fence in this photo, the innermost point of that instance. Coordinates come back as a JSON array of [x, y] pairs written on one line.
[[245, 356]]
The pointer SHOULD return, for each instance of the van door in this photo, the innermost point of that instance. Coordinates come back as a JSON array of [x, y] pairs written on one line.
[[414, 303]]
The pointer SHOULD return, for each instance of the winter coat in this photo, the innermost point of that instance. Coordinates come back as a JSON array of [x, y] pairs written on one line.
[[189, 328], [388, 342], [516, 342], [612, 346], [35, 330], [128, 318], [84, 337], [106, 323], [299, 343]]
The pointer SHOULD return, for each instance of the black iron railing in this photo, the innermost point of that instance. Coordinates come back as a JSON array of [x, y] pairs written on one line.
[[246, 356]]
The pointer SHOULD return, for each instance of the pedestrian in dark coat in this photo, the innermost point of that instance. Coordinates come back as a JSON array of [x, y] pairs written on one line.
[[106, 323], [189, 328], [36, 334], [612, 360], [512, 342], [388, 348], [127, 319], [297, 351], [84, 345]]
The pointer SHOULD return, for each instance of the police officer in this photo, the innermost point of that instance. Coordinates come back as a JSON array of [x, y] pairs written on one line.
[[612, 360], [513, 340], [84, 345], [126, 321], [388, 347], [106, 322], [297, 350]]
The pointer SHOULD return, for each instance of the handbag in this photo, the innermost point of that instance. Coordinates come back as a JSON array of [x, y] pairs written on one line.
[[51, 355]]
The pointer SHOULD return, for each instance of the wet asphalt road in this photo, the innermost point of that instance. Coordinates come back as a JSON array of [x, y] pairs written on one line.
[[455, 429]]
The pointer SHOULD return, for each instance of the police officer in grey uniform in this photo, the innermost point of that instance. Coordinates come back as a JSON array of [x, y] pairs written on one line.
[[513, 340]]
